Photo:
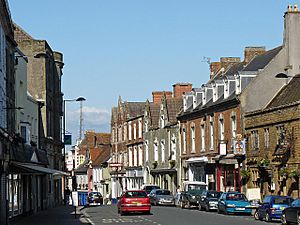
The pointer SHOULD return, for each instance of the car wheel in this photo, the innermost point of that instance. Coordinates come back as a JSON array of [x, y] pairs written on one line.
[[225, 211], [219, 211], [267, 217], [200, 207], [298, 220], [256, 215]]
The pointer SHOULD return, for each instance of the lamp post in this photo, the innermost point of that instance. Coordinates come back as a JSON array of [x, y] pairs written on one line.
[[79, 99]]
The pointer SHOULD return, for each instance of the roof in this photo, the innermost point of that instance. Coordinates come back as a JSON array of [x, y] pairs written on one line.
[[260, 61], [102, 157], [154, 114], [174, 107], [135, 109], [93, 139], [289, 94]]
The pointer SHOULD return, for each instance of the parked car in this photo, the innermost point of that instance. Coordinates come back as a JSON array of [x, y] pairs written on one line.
[[291, 214], [272, 207], [192, 190], [234, 202], [161, 197], [94, 198], [209, 200], [149, 187], [134, 201]]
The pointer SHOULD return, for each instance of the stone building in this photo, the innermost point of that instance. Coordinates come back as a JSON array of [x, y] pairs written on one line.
[[7, 104], [161, 137], [44, 74], [124, 112], [273, 158]]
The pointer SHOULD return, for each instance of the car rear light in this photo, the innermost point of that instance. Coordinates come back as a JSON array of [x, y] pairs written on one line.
[[148, 201], [123, 201]]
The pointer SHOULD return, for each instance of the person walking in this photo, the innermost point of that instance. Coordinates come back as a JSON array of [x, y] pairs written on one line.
[[178, 194], [67, 195]]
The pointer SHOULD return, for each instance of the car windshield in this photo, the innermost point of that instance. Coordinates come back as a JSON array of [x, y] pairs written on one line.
[[195, 187], [236, 197], [213, 194], [94, 195], [282, 201], [163, 192], [148, 189], [135, 194]]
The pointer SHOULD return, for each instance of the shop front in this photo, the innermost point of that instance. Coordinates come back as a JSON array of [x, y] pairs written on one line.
[[134, 178], [165, 178]]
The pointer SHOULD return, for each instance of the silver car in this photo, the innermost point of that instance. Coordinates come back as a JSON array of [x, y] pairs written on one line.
[[161, 197]]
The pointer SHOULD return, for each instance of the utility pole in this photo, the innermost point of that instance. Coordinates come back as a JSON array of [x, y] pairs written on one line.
[[80, 122]]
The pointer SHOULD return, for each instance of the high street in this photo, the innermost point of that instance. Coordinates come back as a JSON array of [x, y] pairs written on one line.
[[166, 216]]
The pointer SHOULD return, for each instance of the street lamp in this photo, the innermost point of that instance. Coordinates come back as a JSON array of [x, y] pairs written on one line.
[[79, 99]]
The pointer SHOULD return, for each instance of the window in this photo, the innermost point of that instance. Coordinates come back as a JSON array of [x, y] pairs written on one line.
[[184, 140], [202, 127], [155, 150], [280, 135], [120, 133], [255, 139], [140, 128], [221, 128], [24, 133], [267, 137], [211, 132], [140, 155], [124, 132], [193, 137], [233, 127], [146, 126], [129, 131], [162, 144], [146, 150], [134, 131], [135, 156], [130, 156], [173, 147]]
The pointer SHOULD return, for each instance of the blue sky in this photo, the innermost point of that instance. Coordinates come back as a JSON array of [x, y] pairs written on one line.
[[133, 47]]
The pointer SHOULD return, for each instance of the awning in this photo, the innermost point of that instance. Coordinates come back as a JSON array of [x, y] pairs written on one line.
[[226, 159], [35, 169], [197, 160]]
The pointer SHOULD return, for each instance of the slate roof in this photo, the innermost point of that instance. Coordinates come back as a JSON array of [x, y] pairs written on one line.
[[231, 70], [260, 61], [289, 94]]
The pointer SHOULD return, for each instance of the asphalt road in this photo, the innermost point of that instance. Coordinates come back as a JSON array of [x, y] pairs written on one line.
[[167, 216]]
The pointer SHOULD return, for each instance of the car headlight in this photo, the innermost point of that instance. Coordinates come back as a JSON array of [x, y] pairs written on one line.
[[231, 205], [193, 197]]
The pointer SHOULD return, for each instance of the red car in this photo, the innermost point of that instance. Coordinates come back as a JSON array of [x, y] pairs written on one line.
[[134, 201]]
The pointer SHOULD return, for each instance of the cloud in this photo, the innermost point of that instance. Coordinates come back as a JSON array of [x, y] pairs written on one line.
[[93, 119]]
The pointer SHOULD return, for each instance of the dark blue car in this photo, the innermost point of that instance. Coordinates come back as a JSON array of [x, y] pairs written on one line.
[[272, 207]]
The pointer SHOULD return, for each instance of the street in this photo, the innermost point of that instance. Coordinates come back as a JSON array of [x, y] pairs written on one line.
[[166, 216]]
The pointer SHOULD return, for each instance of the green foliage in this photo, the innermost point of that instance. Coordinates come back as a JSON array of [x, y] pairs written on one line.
[[245, 174], [283, 172], [294, 174], [264, 163]]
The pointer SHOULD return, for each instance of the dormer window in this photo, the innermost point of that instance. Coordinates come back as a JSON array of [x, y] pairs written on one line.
[[162, 121], [194, 101], [226, 88], [185, 103]]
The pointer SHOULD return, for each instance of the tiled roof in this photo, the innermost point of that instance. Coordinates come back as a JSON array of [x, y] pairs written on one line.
[[93, 139], [174, 107], [103, 156], [289, 94], [154, 111], [260, 61], [135, 109]]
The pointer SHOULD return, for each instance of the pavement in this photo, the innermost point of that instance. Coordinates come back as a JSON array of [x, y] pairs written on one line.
[[61, 215]]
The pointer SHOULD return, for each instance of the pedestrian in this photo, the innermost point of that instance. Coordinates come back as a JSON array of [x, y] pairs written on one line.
[[178, 193], [67, 195]]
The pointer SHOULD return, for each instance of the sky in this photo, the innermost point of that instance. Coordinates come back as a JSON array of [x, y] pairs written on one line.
[[130, 48]]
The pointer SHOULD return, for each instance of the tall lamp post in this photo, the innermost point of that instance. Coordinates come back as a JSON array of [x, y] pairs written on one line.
[[79, 99]]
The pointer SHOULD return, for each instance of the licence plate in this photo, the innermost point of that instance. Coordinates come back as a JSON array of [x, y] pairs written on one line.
[[240, 208], [138, 204], [282, 207]]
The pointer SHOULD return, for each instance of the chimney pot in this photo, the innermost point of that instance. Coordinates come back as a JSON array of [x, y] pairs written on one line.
[[296, 9], [290, 8]]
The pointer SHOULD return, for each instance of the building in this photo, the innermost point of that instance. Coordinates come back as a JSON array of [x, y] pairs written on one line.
[[7, 103], [44, 74], [125, 111], [273, 158], [161, 137]]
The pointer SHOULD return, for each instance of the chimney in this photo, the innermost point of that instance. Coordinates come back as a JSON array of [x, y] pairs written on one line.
[[157, 96], [214, 68], [291, 39], [181, 88], [251, 52]]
